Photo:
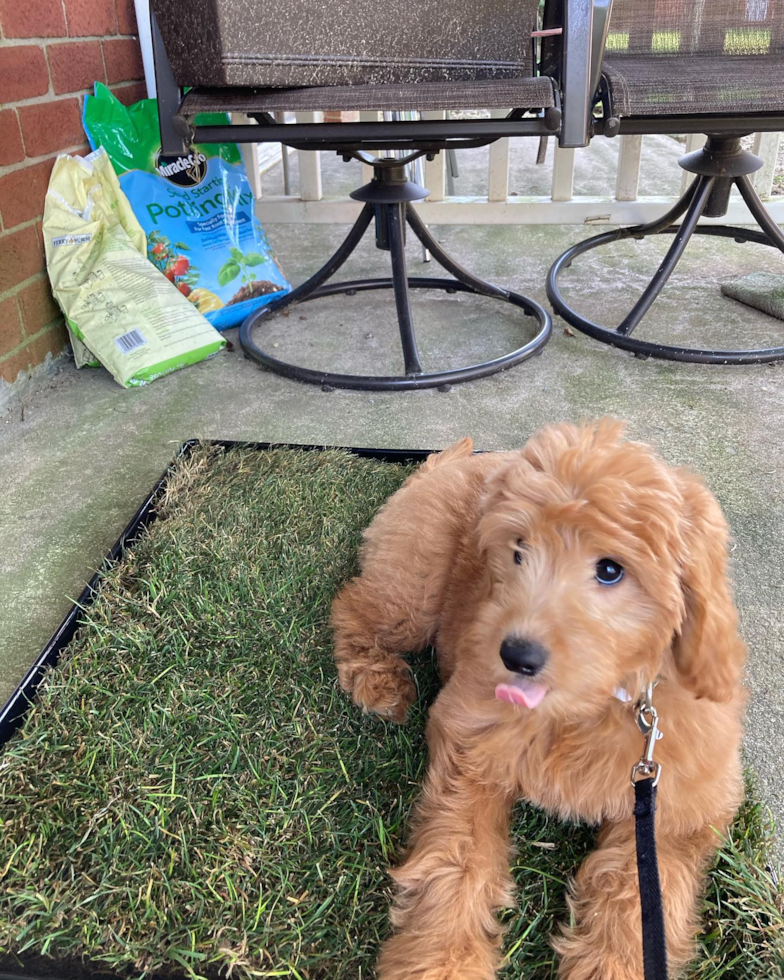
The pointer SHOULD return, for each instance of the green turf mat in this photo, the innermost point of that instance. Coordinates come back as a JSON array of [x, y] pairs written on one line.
[[762, 290], [193, 793]]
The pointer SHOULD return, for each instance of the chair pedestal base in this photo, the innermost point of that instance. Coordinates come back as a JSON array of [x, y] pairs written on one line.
[[388, 203], [718, 166]]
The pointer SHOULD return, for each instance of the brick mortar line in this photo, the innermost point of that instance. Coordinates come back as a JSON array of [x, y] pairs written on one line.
[[41, 158], [103, 59], [20, 42], [20, 227], [49, 97], [29, 338], [19, 349], [65, 21], [15, 290], [13, 168], [42, 44]]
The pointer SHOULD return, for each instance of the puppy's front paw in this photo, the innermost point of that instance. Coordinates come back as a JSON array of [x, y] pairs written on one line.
[[383, 685]]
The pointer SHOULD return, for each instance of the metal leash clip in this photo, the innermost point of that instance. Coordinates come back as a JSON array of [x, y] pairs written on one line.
[[647, 718]]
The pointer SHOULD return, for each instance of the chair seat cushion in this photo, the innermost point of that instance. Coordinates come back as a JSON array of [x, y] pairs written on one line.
[[514, 93], [659, 85]]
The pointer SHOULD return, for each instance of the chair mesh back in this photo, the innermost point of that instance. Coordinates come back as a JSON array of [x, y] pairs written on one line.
[[713, 27], [681, 57], [289, 43]]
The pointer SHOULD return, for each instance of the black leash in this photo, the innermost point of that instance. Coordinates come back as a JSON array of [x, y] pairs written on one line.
[[654, 943], [645, 777]]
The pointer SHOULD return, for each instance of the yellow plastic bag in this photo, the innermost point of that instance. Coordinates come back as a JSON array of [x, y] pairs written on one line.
[[116, 302]]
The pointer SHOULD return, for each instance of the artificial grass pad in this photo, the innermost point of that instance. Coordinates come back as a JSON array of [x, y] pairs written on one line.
[[193, 792]]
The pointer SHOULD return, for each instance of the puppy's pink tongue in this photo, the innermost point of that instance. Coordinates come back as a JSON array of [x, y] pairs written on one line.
[[522, 692]]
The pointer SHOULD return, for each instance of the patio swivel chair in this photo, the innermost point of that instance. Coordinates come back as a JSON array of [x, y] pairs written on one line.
[[713, 67], [261, 58]]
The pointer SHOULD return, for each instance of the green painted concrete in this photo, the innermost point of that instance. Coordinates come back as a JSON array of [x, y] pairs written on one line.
[[76, 468]]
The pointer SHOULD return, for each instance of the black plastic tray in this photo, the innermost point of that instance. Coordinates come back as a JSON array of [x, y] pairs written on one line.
[[12, 714]]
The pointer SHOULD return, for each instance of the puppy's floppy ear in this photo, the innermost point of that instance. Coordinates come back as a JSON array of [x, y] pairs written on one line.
[[708, 650]]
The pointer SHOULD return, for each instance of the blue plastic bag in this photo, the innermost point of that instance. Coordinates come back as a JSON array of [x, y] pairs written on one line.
[[197, 211]]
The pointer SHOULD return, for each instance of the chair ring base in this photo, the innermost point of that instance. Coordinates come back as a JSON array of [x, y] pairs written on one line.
[[645, 349], [406, 382], [391, 220]]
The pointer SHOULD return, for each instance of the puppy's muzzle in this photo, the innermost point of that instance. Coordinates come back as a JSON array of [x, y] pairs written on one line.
[[523, 656]]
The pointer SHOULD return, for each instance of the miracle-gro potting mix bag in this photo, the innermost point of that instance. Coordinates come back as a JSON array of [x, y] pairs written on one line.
[[197, 211]]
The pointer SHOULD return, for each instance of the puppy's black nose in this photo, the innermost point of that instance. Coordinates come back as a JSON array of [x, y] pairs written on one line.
[[523, 656]]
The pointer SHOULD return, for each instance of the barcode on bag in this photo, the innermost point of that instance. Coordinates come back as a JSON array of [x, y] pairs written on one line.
[[130, 341]]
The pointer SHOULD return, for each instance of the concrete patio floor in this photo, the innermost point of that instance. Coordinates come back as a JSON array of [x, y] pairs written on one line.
[[86, 452]]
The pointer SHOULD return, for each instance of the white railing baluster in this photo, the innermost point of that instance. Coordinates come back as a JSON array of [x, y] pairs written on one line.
[[629, 159], [766, 145], [309, 164], [498, 167], [250, 155], [619, 205], [435, 169], [563, 174]]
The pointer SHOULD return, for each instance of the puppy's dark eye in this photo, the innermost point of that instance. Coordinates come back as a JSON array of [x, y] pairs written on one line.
[[608, 571], [518, 555]]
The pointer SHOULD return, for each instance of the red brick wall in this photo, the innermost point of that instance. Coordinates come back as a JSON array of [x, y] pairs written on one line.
[[51, 52]]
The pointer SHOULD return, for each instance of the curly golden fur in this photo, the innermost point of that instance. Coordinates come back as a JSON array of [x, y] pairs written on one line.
[[474, 549]]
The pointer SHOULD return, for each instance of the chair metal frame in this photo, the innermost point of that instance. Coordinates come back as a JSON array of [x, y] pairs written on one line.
[[721, 165], [388, 198]]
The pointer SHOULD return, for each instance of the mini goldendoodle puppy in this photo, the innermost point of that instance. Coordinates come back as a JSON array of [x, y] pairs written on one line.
[[549, 579]]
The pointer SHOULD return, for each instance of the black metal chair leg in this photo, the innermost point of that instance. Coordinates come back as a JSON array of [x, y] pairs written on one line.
[[472, 282], [445, 259], [699, 200], [662, 224], [667, 220], [397, 251], [656, 227], [757, 208], [347, 246]]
